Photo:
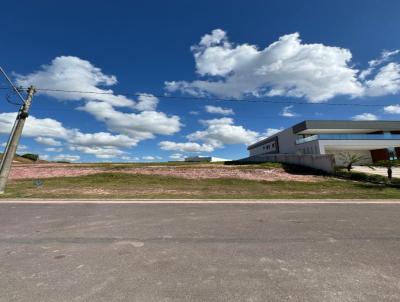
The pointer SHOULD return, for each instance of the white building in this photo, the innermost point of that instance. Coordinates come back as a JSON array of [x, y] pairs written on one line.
[[375, 140]]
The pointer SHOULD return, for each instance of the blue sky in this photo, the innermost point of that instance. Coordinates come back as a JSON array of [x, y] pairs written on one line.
[[322, 52]]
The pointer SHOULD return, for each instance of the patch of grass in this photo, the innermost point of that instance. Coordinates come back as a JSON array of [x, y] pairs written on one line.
[[120, 185], [365, 177]]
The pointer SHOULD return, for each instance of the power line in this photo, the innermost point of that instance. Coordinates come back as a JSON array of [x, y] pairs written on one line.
[[11, 84], [210, 99]]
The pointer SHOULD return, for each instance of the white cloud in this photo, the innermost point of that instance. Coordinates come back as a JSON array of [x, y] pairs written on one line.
[[67, 157], [385, 56], [287, 111], [286, 67], [269, 132], [149, 158], [47, 141], [219, 110], [222, 131], [147, 102], [99, 152], [77, 75], [138, 126], [129, 158], [386, 81], [104, 139], [177, 157], [34, 127], [392, 109], [194, 112], [218, 132], [52, 149], [365, 117], [21, 148], [100, 144], [185, 147], [74, 74], [44, 156]]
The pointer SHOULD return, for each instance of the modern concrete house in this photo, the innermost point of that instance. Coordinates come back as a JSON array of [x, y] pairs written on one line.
[[375, 140]]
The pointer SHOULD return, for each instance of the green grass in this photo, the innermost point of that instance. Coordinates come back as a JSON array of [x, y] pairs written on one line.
[[120, 185]]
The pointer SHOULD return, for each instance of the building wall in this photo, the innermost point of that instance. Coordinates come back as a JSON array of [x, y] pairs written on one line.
[[308, 148], [286, 143], [270, 146]]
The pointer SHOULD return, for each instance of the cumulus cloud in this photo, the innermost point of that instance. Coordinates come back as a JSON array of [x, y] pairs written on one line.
[[177, 157], [268, 132], [287, 111], [385, 57], [151, 158], [52, 149], [48, 141], [217, 133], [67, 157], [104, 139], [392, 109], [146, 102], [219, 110], [21, 148], [365, 117], [386, 81], [34, 127], [99, 152], [138, 126], [223, 131], [185, 147], [74, 74], [68, 73], [287, 67], [100, 144]]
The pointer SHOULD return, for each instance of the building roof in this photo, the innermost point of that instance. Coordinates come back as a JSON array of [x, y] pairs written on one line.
[[342, 126]]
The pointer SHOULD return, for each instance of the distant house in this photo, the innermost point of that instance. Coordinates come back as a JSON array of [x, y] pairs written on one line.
[[207, 159], [374, 140]]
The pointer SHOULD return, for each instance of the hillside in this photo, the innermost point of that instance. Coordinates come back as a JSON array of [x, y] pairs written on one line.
[[21, 160]]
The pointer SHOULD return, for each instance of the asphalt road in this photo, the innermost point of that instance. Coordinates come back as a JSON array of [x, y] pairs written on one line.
[[194, 252]]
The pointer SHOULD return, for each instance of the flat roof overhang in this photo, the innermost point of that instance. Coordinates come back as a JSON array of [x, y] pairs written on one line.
[[359, 144], [338, 126]]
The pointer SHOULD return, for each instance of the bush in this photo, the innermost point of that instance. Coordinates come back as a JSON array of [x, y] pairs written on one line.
[[373, 178], [31, 156]]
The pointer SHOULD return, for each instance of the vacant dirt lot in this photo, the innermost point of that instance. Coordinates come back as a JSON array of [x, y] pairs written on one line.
[[214, 171]]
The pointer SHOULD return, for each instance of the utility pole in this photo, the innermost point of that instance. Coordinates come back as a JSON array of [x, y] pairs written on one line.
[[15, 136]]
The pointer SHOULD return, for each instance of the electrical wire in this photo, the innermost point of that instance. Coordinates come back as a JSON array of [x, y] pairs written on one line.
[[210, 99]]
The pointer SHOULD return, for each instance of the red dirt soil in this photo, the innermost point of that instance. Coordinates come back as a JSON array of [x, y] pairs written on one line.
[[41, 171]]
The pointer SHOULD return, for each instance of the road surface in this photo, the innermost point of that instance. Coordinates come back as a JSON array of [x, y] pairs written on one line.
[[199, 252]]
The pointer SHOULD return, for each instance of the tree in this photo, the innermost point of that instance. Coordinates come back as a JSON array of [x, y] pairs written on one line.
[[349, 159], [33, 157]]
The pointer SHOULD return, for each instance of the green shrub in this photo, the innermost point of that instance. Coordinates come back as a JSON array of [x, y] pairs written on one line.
[[373, 178], [31, 156]]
